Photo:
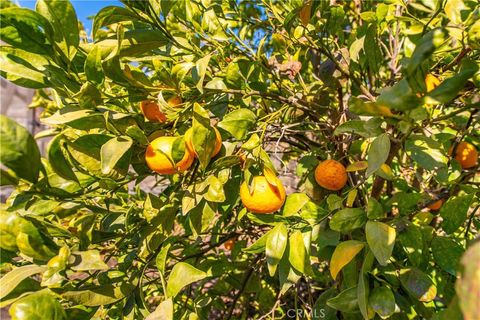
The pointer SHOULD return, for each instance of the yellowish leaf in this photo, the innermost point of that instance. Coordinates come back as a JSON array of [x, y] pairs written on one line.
[[343, 254], [271, 176], [351, 197], [357, 166]]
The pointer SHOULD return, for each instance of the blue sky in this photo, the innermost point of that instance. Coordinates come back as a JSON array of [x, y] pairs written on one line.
[[83, 8]]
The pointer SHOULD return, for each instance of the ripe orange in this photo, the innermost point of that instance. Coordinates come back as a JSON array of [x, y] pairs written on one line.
[[265, 197], [465, 154], [157, 159], [229, 244], [331, 175], [436, 205], [189, 142], [151, 111], [174, 101], [431, 82]]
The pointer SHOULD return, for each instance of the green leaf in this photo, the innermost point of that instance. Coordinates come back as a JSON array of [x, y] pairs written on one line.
[[164, 311], [334, 202], [233, 76], [336, 19], [8, 178], [424, 49], [454, 212], [356, 47], [87, 260], [238, 123], [134, 43], [287, 275], [275, 246], [451, 87], [93, 66], [57, 160], [426, 152], [453, 10], [411, 239], [203, 136], [344, 253], [39, 305], [378, 153], [294, 203], [372, 48], [19, 150], [321, 310], [110, 15], [328, 238], [447, 254], [18, 233], [348, 219], [297, 250], [26, 29], [28, 285], [112, 151], [23, 68], [375, 209], [27, 59], [418, 284], [201, 68], [61, 15], [216, 83], [382, 301], [363, 288], [201, 217], [182, 275], [345, 301], [259, 245], [215, 191], [166, 6], [161, 259], [73, 116], [366, 129], [380, 239], [85, 151], [399, 97], [98, 296], [151, 207], [12, 279]]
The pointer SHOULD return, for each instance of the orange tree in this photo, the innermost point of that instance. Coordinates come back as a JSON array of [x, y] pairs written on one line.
[[178, 127]]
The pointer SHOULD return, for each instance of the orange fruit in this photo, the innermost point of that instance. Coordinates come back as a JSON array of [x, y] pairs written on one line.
[[431, 82], [218, 141], [174, 101], [159, 156], [265, 197], [436, 205], [229, 244], [331, 175], [466, 154], [151, 111]]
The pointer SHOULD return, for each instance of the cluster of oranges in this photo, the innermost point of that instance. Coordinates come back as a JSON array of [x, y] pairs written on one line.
[[266, 194], [159, 153]]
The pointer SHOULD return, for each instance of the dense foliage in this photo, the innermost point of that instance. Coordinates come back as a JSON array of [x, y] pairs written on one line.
[[384, 88]]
